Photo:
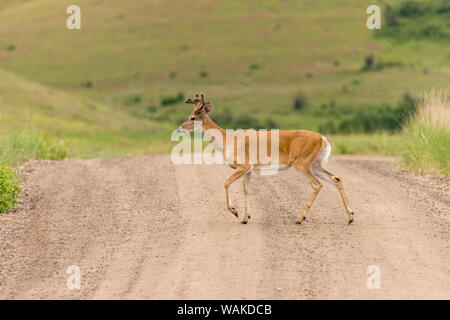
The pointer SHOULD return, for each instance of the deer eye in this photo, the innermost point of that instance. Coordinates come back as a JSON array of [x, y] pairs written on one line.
[[193, 119]]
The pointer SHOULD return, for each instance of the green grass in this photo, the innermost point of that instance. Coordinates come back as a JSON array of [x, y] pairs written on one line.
[[19, 147], [426, 147], [374, 144]]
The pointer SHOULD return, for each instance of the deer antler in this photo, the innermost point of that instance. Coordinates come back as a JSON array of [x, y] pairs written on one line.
[[202, 98], [197, 99]]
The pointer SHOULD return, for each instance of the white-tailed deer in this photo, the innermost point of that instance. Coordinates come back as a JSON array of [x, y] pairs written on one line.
[[304, 150]]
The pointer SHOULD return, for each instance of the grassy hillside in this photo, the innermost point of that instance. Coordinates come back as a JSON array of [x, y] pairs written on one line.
[[87, 127], [116, 87], [127, 65]]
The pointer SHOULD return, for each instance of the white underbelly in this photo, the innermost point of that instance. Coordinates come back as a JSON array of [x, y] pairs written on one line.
[[272, 168]]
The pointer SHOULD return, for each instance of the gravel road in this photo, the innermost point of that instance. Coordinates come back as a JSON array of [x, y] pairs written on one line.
[[144, 228]]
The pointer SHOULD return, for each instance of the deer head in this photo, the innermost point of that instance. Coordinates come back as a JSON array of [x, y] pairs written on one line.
[[201, 109]]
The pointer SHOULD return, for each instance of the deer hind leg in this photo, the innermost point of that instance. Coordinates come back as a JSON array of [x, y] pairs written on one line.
[[325, 175], [239, 172], [316, 186], [246, 184]]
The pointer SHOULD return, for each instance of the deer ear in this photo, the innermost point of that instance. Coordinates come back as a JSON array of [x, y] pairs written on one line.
[[203, 109]]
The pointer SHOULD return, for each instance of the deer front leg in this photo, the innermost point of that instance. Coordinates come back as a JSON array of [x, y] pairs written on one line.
[[239, 172]]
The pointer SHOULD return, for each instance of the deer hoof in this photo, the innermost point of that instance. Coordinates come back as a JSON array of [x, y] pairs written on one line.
[[244, 222], [300, 221], [350, 221]]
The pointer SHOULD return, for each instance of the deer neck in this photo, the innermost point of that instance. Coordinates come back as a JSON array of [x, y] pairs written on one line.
[[209, 124]]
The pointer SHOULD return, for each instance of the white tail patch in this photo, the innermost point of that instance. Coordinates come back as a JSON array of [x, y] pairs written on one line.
[[321, 160], [325, 152]]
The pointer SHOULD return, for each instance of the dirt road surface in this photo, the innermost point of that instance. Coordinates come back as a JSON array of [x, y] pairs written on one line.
[[145, 228]]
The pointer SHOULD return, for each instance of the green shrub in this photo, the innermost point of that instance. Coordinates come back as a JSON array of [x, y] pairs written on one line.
[[412, 9], [416, 20], [367, 119], [151, 109], [371, 65], [300, 101], [368, 62], [88, 84], [225, 119], [271, 124], [9, 189], [247, 121], [203, 74], [172, 99], [132, 99], [254, 66]]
